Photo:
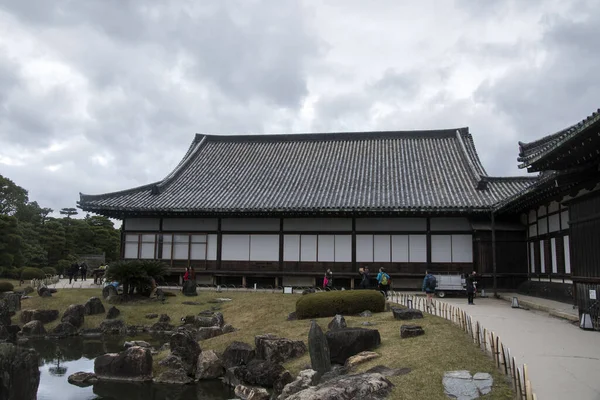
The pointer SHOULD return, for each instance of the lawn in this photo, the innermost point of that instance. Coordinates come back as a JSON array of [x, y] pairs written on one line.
[[444, 347]]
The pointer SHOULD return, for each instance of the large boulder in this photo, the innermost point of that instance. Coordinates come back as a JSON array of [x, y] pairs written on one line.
[[82, 379], [74, 314], [94, 306], [63, 329], [113, 313], [113, 327], [33, 328], [318, 348], [184, 345], [164, 318], [338, 322], [198, 321], [20, 374], [209, 366], [44, 316], [305, 379], [461, 385], [260, 373], [208, 332], [272, 348], [360, 386], [344, 343], [237, 353], [406, 313], [4, 313], [189, 288], [133, 364], [174, 376], [13, 300], [408, 331], [43, 291]]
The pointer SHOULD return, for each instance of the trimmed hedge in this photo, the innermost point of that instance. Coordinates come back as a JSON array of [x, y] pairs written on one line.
[[345, 302], [49, 271], [6, 287], [32, 273]]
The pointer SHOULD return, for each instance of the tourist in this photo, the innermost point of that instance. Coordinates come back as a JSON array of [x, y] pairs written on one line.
[[83, 270], [365, 282], [429, 284], [192, 274], [72, 271], [383, 281], [186, 275], [471, 287], [328, 279]]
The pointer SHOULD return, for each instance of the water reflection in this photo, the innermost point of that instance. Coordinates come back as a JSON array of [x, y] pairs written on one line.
[[61, 358]]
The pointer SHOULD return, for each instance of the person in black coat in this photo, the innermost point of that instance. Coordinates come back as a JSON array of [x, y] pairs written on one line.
[[471, 282]]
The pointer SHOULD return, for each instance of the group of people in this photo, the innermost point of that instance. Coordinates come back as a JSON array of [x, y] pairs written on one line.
[[77, 270], [189, 274]]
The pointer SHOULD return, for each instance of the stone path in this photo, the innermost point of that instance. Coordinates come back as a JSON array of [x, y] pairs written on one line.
[[563, 360]]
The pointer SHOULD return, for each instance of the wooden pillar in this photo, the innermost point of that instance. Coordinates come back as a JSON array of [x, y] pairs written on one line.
[[280, 246], [351, 283], [276, 281], [428, 244], [243, 281], [354, 245], [495, 284], [219, 243], [123, 239], [314, 283]]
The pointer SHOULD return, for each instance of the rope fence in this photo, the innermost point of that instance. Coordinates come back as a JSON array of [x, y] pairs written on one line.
[[487, 341]]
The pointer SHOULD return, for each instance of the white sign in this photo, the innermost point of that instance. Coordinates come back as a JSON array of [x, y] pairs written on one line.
[[288, 290], [592, 294]]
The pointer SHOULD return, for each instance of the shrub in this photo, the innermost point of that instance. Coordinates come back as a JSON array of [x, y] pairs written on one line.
[[49, 271], [10, 273], [345, 302], [135, 274], [32, 273], [6, 287]]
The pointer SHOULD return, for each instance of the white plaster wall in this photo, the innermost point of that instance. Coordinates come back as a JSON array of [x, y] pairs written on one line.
[[291, 248], [250, 224], [532, 230], [308, 248], [317, 224], [142, 224], [462, 248], [212, 247], [364, 248], [567, 255], [554, 221], [326, 248], [441, 248], [382, 248], [399, 248], [264, 247], [553, 249], [190, 224], [236, 248], [417, 251], [343, 248]]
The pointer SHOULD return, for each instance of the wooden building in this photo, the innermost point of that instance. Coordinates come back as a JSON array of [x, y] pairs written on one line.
[[562, 211], [281, 209]]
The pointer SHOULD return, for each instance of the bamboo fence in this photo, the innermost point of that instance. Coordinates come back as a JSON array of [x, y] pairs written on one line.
[[488, 341]]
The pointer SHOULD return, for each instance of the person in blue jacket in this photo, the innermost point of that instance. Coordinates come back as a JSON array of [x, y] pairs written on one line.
[[429, 284], [383, 281]]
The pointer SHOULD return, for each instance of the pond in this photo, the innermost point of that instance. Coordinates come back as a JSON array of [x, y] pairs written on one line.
[[63, 357]]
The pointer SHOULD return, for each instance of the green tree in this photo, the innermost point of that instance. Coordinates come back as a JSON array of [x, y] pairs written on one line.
[[54, 241], [11, 196], [68, 212], [10, 240]]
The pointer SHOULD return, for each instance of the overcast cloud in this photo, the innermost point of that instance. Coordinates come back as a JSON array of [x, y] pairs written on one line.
[[99, 95]]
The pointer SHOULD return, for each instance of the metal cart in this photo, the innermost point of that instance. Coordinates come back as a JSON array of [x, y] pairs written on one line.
[[446, 284]]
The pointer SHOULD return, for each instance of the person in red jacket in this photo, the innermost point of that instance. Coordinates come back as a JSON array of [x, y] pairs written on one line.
[[186, 275]]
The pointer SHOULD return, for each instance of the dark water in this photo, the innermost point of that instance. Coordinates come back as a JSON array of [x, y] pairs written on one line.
[[61, 358]]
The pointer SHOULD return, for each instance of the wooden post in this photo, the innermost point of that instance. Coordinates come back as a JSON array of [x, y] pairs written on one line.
[[243, 281], [276, 281], [352, 284], [527, 383], [521, 388], [504, 359], [497, 347], [513, 367], [494, 254]]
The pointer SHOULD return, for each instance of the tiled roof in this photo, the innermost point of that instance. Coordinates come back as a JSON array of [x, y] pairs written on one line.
[[532, 152], [415, 171]]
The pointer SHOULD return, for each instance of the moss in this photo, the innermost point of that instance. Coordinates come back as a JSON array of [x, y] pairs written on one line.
[[345, 302]]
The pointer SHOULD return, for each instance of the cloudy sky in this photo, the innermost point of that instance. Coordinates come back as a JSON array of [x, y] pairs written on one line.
[[103, 95]]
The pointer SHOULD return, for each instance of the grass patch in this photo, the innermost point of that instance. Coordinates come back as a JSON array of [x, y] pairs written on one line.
[[444, 346]]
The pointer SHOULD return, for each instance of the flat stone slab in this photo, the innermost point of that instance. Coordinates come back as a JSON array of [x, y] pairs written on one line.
[[462, 386]]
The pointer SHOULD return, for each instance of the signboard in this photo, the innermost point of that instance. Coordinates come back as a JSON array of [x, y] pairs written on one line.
[[592, 294], [288, 290]]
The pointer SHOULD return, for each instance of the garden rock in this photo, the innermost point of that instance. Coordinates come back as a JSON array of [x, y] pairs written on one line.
[[305, 379], [184, 345], [198, 322], [162, 327], [209, 366], [366, 313], [64, 329], [386, 371], [361, 386], [218, 319], [113, 313], [74, 314], [272, 348], [109, 291], [33, 328], [13, 300], [113, 327], [338, 322], [292, 316], [461, 385], [4, 313], [284, 379], [189, 288], [164, 318], [44, 316], [133, 364], [139, 343], [20, 372], [151, 316], [174, 376], [360, 358], [408, 331], [318, 348], [260, 373], [336, 370], [345, 343], [251, 393], [94, 306], [4, 335], [207, 333], [27, 290], [237, 353], [171, 361], [43, 291], [82, 379], [228, 328], [406, 313]]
